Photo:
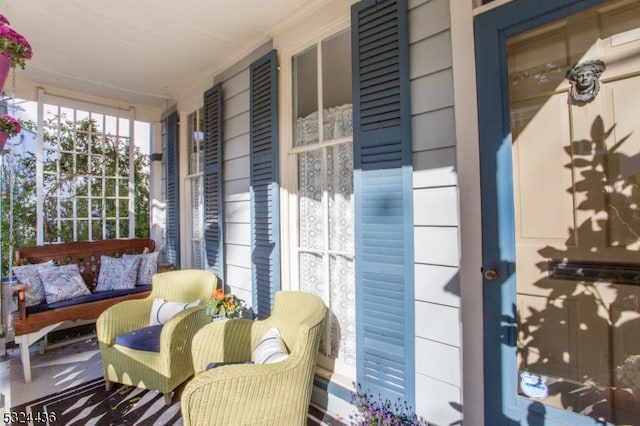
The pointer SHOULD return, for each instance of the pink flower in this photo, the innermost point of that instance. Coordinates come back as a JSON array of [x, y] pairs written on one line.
[[10, 125], [14, 45]]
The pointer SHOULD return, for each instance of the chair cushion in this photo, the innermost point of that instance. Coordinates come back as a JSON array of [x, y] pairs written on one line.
[[62, 282], [162, 311], [270, 348], [144, 339], [28, 275], [117, 273], [92, 297], [148, 266]]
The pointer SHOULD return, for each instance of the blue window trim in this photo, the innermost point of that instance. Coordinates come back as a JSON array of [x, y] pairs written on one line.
[[502, 405]]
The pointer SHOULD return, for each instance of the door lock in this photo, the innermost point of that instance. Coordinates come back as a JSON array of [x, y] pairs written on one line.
[[490, 274]]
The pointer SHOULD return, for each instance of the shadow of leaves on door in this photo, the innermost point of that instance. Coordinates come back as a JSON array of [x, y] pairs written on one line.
[[589, 327]]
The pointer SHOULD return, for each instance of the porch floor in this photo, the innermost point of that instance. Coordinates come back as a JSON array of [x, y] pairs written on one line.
[[66, 365]]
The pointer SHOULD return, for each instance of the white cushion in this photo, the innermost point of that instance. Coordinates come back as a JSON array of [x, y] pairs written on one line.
[[270, 348], [162, 311]]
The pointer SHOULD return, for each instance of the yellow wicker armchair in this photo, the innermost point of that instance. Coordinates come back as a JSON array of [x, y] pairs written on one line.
[[160, 371], [256, 394]]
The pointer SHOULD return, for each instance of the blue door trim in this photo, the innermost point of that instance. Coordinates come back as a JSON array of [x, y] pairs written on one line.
[[502, 405]]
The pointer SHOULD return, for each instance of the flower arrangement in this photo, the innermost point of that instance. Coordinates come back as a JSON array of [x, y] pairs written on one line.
[[13, 45], [629, 372], [224, 305], [10, 125], [370, 412]]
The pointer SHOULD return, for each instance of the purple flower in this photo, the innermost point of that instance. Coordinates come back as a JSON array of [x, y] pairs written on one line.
[[370, 412]]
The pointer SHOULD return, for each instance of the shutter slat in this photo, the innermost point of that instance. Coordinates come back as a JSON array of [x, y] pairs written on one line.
[[265, 223], [383, 206], [212, 175], [173, 191]]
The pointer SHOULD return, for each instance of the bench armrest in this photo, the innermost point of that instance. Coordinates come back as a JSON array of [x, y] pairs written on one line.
[[165, 267], [20, 289]]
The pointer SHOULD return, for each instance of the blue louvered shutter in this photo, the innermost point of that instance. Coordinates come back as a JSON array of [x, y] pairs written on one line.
[[173, 192], [212, 181], [383, 199], [265, 209]]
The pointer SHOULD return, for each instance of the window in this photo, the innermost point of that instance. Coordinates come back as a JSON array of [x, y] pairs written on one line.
[[323, 154], [90, 172], [194, 183]]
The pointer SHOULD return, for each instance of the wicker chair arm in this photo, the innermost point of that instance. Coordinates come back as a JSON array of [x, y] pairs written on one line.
[[252, 393], [177, 333], [122, 318], [212, 343]]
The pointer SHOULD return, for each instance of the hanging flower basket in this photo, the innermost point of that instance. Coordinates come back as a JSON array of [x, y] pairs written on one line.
[[14, 49], [5, 67], [9, 127], [3, 140]]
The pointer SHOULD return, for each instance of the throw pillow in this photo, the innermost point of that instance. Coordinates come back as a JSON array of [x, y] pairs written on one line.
[[62, 283], [162, 311], [144, 339], [117, 273], [148, 266], [28, 275], [270, 348]]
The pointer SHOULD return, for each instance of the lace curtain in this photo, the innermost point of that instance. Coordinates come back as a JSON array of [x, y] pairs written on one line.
[[326, 240]]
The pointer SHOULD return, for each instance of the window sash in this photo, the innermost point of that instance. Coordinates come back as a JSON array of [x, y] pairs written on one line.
[[331, 358]]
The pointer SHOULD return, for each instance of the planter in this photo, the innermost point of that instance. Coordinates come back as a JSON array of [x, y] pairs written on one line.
[[3, 138], [5, 67]]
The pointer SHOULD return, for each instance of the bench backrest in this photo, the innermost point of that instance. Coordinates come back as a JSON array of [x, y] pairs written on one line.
[[86, 254]]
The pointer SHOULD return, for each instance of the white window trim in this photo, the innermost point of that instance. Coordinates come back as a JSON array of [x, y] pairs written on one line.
[[327, 367], [187, 179], [48, 99]]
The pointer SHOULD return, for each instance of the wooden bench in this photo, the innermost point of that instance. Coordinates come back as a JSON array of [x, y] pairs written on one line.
[[31, 323]]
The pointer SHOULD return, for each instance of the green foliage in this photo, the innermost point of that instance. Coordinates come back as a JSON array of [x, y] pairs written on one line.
[[86, 177]]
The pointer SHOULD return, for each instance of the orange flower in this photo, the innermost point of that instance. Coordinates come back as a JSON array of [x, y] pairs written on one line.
[[219, 294], [230, 304]]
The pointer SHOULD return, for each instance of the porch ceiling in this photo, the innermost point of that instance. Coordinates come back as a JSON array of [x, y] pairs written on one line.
[[142, 52]]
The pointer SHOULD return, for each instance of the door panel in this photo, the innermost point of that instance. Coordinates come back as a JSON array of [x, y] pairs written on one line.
[[576, 198]]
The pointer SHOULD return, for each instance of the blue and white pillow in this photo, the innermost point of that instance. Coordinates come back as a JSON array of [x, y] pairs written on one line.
[[62, 283], [148, 266], [162, 311], [117, 273], [28, 275], [270, 348]]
